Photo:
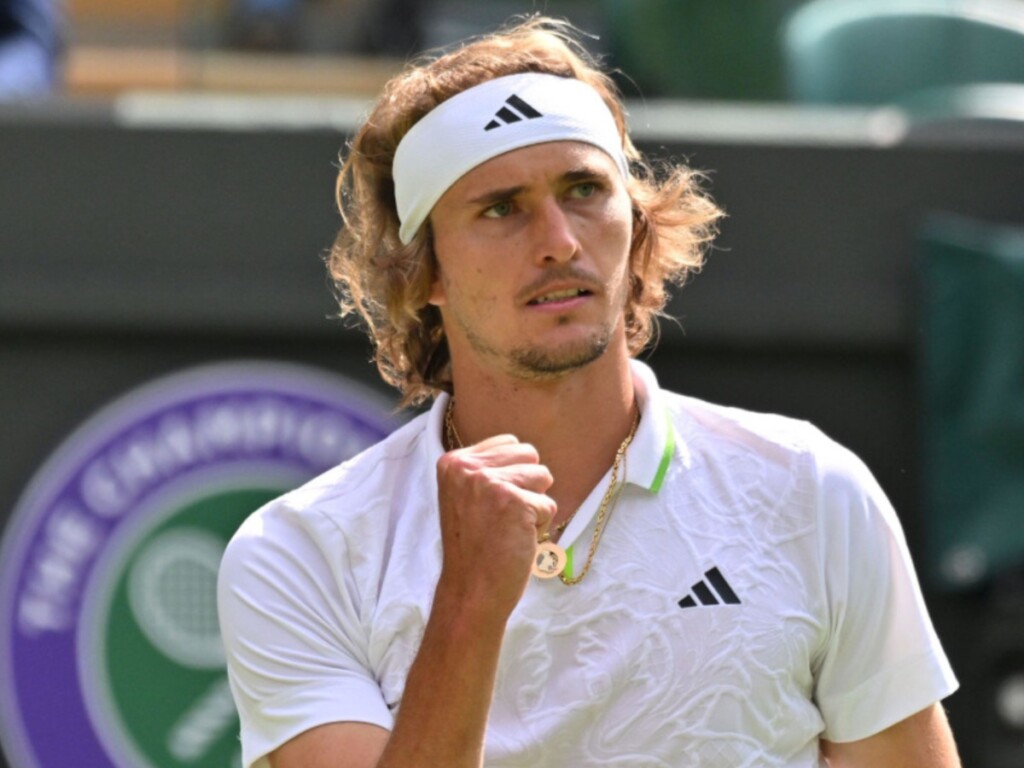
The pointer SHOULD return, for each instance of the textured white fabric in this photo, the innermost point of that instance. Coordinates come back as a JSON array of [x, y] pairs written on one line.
[[481, 122], [324, 595]]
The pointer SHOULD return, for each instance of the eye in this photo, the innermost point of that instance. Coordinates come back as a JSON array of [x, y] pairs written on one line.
[[498, 210], [584, 190]]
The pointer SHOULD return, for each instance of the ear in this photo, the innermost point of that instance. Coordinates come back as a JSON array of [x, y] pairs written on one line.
[[437, 294]]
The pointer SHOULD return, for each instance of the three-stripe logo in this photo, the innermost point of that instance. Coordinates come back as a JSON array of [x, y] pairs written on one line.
[[514, 111], [713, 589]]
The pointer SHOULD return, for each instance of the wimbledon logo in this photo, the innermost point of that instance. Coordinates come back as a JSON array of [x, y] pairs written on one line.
[[110, 652]]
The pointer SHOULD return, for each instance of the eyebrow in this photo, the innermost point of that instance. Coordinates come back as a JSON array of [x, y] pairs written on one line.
[[583, 173], [496, 195]]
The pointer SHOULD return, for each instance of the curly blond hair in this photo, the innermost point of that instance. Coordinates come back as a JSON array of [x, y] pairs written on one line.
[[387, 283]]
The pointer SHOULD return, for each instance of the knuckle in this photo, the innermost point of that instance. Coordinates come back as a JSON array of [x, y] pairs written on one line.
[[456, 462], [531, 453], [504, 495]]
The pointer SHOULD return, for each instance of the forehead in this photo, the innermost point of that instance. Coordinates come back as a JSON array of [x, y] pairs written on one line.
[[534, 164]]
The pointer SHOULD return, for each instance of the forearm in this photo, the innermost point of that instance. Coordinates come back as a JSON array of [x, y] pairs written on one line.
[[491, 499], [448, 693], [920, 741]]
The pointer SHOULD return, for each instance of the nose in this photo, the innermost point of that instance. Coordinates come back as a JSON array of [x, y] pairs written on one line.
[[554, 233]]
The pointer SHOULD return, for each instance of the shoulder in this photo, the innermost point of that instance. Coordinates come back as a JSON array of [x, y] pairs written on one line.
[[355, 499], [369, 474], [784, 457], [332, 537], [737, 453], [772, 437]]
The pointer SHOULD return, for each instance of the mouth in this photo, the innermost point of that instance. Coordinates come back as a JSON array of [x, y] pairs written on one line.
[[552, 297]]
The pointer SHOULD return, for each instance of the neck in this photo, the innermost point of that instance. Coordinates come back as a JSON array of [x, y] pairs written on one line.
[[576, 422]]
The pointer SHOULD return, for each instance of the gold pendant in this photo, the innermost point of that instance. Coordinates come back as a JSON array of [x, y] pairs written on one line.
[[549, 561]]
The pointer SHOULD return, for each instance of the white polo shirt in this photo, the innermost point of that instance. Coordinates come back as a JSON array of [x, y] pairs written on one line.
[[751, 594]]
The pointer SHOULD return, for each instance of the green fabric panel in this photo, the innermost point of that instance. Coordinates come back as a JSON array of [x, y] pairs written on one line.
[[972, 367]]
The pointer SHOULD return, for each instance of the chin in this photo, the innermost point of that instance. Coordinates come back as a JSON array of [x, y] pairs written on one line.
[[548, 362]]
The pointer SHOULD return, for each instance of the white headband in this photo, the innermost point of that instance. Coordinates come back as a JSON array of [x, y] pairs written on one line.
[[488, 120]]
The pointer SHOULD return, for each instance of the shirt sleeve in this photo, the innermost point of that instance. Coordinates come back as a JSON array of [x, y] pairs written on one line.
[[882, 661], [295, 645]]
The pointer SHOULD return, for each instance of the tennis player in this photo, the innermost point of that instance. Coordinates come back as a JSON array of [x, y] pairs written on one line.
[[561, 564]]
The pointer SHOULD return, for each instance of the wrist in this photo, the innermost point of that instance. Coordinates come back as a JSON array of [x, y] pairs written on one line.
[[470, 608]]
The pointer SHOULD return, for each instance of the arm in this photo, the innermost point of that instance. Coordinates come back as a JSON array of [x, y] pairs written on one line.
[[444, 707], [492, 501], [882, 662], [922, 740], [362, 745]]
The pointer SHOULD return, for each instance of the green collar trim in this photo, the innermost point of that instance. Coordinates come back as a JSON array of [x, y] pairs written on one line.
[[666, 456]]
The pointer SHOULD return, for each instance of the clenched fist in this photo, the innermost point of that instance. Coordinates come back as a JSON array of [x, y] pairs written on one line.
[[493, 512]]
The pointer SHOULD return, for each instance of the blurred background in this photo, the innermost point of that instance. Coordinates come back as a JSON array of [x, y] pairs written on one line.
[[166, 198]]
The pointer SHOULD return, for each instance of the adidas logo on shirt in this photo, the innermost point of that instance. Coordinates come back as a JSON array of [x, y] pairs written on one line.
[[713, 589], [514, 111]]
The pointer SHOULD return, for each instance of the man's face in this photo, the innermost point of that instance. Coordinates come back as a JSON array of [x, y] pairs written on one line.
[[533, 254]]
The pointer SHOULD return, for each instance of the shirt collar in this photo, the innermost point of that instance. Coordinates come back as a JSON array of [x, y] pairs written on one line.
[[656, 443], [435, 427], [651, 452]]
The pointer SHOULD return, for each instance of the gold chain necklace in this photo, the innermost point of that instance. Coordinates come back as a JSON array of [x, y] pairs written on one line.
[[611, 497], [551, 559], [451, 435]]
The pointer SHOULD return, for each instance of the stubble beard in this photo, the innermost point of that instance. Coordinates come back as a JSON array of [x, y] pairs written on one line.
[[536, 363]]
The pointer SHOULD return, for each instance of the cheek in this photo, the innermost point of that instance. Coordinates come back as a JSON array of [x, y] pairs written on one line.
[[615, 222], [615, 237], [624, 216], [464, 283], [618, 240]]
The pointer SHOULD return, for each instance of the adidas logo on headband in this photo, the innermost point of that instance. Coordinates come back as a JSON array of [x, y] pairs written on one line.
[[506, 116]]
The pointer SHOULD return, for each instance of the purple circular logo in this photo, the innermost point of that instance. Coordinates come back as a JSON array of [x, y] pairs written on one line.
[[110, 652]]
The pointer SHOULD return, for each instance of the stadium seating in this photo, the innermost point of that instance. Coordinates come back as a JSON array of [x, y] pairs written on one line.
[[972, 366], [699, 49], [881, 51]]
